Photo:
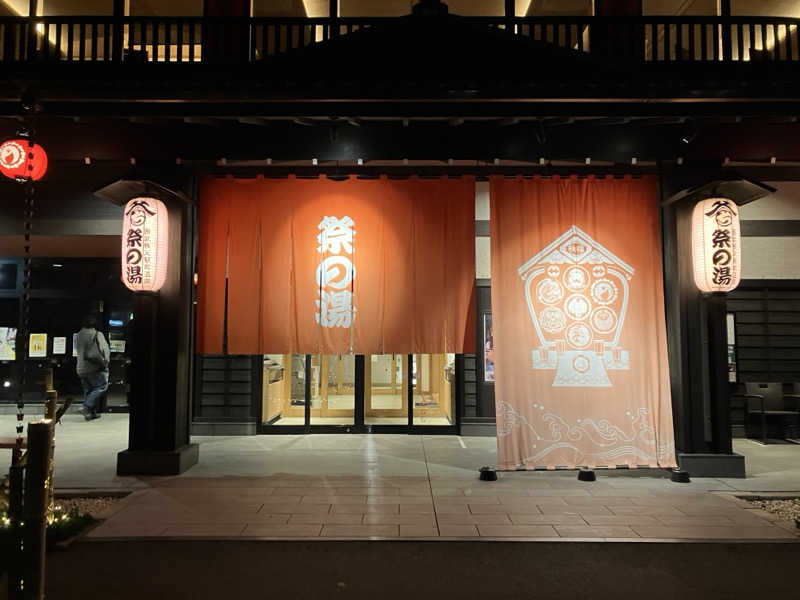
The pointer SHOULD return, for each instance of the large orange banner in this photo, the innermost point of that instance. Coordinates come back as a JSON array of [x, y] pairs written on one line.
[[322, 266], [581, 371]]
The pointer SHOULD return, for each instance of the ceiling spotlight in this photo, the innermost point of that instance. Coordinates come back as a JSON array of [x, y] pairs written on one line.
[[689, 131]]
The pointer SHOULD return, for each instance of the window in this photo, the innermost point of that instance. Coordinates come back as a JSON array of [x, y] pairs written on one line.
[[47, 8], [8, 276]]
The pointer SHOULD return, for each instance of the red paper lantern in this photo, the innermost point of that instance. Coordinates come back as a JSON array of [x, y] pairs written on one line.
[[22, 159]]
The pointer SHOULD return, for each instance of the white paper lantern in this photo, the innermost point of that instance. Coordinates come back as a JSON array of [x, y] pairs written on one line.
[[716, 245], [145, 231]]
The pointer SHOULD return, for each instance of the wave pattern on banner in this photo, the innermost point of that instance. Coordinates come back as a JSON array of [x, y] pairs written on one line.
[[611, 440]]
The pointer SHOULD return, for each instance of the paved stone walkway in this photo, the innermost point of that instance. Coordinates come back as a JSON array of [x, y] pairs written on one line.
[[402, 486], [519, 505]]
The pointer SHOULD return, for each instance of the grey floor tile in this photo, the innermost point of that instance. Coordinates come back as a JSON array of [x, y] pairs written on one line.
[[400, 519], [334, 500], [298, 508], [653, 511], [551, 519], [495, 509], [623, 520], [367, 509], [707, 533], [590, 509], [329, 518], [419, 531], [470, 519], [347, 531], [586, 531], [130, 529], [282, 531], [458, 530], [203, 529], [531, 531]]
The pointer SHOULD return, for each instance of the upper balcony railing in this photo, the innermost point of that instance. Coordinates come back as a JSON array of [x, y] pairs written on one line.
[[245, 40]]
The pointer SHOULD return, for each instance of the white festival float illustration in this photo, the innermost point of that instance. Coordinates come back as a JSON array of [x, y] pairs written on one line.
[[577, 293]]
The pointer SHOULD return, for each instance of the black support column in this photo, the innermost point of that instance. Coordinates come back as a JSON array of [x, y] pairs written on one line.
[[719, 393], [161, 368], [696, 344]]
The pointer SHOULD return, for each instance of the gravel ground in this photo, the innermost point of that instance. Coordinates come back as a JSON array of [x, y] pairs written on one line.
[[96, 507], [788, 510]]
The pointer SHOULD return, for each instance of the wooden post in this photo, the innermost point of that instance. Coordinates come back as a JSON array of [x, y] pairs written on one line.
[[404, 391], [333, 13], [50, 414], [394, 374], [367, 384], [16, 482], [323, 384], [339, 374], [727, 42], [37, 471], [718, 374], [50, 395]]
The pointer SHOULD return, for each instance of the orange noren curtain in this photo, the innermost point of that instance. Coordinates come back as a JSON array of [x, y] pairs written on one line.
[[211, 267], [579, 331], [322, 266]]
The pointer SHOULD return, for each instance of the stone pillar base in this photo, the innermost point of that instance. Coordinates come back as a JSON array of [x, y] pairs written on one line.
[[713, 465], [155, 462]]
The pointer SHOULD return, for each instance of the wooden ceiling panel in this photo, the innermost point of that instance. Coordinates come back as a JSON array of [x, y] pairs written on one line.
[[62, 246]]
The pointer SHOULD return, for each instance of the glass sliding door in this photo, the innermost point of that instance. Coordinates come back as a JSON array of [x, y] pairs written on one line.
[[386, 389], [283, 396], [433, 389], [333, 389], [346, 392]]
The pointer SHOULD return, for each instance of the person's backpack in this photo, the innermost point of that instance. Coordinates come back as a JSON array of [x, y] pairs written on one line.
[[94, 355]]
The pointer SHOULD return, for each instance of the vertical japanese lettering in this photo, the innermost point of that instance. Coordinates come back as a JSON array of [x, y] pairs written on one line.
[[335, 272]]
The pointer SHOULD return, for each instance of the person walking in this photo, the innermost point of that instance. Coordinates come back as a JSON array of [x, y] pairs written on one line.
[[92, 368]]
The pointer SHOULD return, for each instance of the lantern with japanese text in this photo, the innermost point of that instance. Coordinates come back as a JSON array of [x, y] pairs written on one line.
[[22, 160], [716, 245], [145, 230]]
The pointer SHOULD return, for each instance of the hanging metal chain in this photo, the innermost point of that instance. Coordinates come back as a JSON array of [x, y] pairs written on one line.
[[22, 336], [27, 132]]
